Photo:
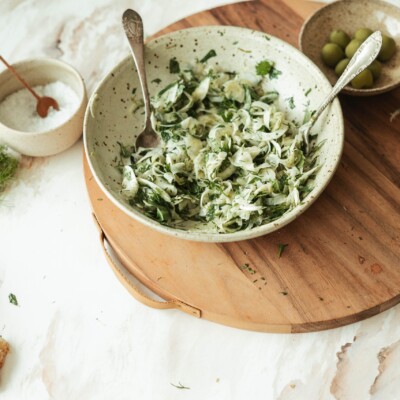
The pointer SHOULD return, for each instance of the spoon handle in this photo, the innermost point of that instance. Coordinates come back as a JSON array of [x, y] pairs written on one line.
[[16, 74], [363, 57], [133, 27]]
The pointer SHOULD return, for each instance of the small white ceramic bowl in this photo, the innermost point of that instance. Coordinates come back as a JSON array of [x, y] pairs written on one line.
[[108, 120], [42, 71], [349, 15]]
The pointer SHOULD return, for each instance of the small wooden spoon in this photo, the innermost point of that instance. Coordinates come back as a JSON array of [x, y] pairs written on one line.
[[43, 103]]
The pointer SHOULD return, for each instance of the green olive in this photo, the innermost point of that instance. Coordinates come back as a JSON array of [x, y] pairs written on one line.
[[375, 68], [352, 47], [331, 54], [363, 80], [388, 48], [340, 38], [341, 66], [362, 33]]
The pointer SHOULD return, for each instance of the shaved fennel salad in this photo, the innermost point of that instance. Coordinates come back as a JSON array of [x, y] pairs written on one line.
[[229, 159]]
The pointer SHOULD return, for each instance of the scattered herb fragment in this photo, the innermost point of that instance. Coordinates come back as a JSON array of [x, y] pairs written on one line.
[[157, 80], [248, 268], [180, 386], [209, 55], [244, 51], [274, 73], [174, 66], [281, 248], [290, 100], [13, 299], [285, 293], [134, 90], [308, 92]]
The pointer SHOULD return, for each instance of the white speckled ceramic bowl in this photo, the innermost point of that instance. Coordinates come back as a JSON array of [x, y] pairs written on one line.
[[108, 120], [349, 15], [41, 71]]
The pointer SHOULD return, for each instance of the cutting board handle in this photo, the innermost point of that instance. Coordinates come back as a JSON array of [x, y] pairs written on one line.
[[134, 290]]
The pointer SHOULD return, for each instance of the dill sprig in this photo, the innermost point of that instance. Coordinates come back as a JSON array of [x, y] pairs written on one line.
[[8, 167]]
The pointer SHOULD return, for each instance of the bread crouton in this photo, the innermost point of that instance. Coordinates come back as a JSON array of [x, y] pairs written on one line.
[[4, 348]]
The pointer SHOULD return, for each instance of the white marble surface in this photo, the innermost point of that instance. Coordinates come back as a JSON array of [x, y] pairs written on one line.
[[77, 334]]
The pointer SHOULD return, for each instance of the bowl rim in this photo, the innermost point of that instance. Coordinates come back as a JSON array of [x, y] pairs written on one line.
[[200, 236], [348, 89], [82, 97]]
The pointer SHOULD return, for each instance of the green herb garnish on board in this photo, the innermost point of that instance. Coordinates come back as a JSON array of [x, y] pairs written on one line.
[[8, 168], [174, 66], [157, 81], [13, 299], [179, 386], [281, 249], [248, 268], [209, 55]]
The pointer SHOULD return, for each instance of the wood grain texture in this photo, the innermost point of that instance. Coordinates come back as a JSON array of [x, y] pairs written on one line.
[[342, 262]]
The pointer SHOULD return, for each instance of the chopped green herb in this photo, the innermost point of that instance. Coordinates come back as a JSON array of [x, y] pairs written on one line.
[[281, 248], [124, 151], [267, 37], [174, 66], [248, 268], [209, 55], [308, 92], [264, 67], [180, 386], [236, 42], [274, 73], [134, 90], [12, 298], [244, 51], [290, 100], [157, 80], [8, 168]]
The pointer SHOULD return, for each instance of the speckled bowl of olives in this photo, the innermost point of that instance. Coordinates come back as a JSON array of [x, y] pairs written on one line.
[[331, 36]]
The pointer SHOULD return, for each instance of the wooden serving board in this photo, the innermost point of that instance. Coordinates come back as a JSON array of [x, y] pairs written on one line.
[[342, 262]]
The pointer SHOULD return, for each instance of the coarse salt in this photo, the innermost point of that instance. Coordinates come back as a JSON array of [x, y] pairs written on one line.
[[18, 110]]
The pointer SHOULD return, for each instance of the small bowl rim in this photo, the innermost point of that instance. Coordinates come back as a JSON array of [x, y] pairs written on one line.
[[63, 64], [348, 89], [200, 236]]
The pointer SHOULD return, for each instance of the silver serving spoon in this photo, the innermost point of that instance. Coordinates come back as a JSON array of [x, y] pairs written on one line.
[[133, 26], [363, 57]]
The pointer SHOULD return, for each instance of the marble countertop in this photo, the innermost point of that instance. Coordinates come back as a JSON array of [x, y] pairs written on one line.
[[77, 333]]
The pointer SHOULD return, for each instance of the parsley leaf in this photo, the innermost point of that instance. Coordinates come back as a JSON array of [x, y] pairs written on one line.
[[264, 67]]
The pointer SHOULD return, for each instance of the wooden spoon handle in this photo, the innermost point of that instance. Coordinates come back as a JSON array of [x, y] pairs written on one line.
[[19, 77]]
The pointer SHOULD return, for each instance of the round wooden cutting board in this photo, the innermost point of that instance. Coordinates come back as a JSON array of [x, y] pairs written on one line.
[[342, 259]]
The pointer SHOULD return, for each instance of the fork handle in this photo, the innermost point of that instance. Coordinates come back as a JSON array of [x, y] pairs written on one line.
[[133, 27]]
